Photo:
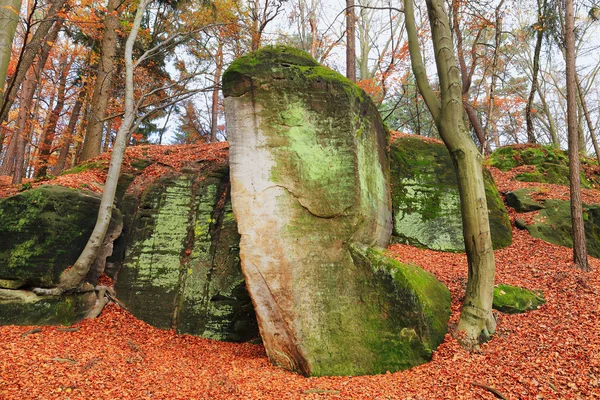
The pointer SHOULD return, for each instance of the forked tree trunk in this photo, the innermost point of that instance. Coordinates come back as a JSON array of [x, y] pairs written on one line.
[[476, 321], [542, 7], [102, 88], [579, 244]]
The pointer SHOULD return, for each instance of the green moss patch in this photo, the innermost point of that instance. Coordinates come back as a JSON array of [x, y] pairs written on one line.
[[522, 201], [514, 300], [426, 200]]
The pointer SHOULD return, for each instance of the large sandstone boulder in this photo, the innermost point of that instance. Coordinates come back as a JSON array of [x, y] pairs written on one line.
[[310, 193], [43, 231], [552, 223], [426, 199], [181, 268]]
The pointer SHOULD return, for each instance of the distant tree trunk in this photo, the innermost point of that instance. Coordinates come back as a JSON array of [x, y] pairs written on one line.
[[29, 54], [579, 244], [102, 88], [9, 18], [476, 321], [45, 145], [15, 155], [214, 118], [551, 123], [542, 7], [488, 131], [69, 133], [350, 41], [588, 119]]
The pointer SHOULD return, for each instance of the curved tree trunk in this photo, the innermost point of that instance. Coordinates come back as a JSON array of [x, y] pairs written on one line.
[[476, 321], [542, 7]]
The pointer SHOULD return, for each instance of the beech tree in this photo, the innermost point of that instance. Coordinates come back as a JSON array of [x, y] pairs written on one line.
[[9, 17], [476, 320]]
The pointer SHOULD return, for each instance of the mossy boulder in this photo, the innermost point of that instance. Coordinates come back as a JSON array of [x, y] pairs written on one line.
[[553, 224], [426, 200], [43, 231], [22, 307], [514, 299], [522, 201], [310, 193], [549, 164], [181, 267]]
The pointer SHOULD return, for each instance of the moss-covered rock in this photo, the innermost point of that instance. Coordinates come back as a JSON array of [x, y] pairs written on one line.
[[309, 175], [426, 200], [522, 201], [181, 268], [43, 231], [514, 299], [22, 307], [550, 165], [553, 224]]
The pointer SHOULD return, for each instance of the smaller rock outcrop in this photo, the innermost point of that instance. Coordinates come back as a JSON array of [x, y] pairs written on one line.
[[426, 200], [514, 300]]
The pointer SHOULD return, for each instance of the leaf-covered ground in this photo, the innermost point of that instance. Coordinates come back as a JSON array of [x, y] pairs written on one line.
[[550, 353]]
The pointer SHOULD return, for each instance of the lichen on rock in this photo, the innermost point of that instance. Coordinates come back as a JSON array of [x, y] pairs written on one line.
[[426, 200], [309, 175]]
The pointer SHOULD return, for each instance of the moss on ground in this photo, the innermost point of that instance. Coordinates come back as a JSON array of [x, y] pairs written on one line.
[[514, 300]]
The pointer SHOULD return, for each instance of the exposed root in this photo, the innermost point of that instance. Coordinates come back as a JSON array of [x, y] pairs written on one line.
[[31, 332], [490, 389]]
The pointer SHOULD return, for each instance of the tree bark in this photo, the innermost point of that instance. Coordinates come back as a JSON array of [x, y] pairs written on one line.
[[542, 7], [29, 54], [214, 118], [588, 119], [103, 86], [579, 243], [350, 41], [488, 131], [72, 278], [69, 133], [476, 321], [45, 145], [9, 18]]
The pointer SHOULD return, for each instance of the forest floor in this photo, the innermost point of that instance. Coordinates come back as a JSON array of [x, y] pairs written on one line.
[[549, 353]]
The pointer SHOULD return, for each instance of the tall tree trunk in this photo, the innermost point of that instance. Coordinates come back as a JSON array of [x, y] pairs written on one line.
[[45, 145], [579, 244], [588, 119], [72, 278], [9, 18], [69, 133], [551, 123], [542, 9], [488, 131], [214, 117], [93, 136], [28, 56], [15, 156], [476, 320], [350, 41]]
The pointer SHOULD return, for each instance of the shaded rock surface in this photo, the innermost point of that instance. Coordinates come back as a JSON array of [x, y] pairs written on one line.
[[514, 299], [426, 200], [522, 201], [43, 231], [181, 267], [309, 178]]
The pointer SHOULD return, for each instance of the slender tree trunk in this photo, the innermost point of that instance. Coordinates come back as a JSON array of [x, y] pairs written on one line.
[[476, 321], [69, 133], [29, 54], [488, 131], [9, 18], [579, 243], [45, 145], [551, 123], [214, 118], [542, 7], [15, 156], [93, 136], [350, 41], [588, 119], [255, 31], [72, 278]]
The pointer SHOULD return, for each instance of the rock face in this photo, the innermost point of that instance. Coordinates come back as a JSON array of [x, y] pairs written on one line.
[[426, 199], [181, 268], [310, 194], [553, 221], [43, 231]]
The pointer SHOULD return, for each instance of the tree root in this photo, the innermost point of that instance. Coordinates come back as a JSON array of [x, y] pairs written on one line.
[[490, 389], [31, 332], [101, 301]]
